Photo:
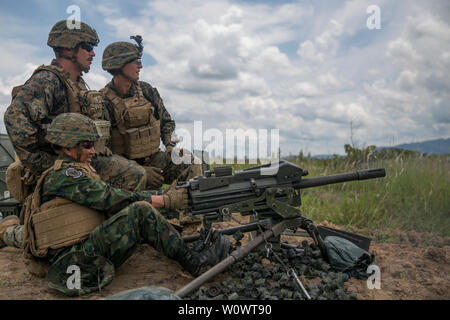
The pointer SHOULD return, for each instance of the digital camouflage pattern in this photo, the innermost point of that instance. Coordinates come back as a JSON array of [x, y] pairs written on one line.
[[132, 221], [31, 111], [62, 37], [88, 192], [120, 172], [69, 129], [118, 54], [14, 236], [110, 245]]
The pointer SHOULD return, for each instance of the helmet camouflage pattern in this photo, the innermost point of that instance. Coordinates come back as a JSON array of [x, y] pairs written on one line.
[[118, 54], [69, 129], [62, 36]]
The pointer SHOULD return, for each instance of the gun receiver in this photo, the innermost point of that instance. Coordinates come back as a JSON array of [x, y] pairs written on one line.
[[262, 189], [271, 194]]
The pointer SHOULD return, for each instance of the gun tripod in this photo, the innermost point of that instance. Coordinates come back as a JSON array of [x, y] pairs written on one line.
[[276, 217]]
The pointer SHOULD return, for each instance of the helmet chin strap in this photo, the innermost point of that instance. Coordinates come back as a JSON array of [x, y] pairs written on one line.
[[127, 77], [79, 152], [74, 60]]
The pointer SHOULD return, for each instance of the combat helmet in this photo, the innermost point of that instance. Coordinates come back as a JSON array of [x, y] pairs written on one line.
[[63, 36], [118, 54], [69, 129]]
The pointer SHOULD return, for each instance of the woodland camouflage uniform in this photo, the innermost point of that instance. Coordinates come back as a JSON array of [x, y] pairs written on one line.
[[131, 220]]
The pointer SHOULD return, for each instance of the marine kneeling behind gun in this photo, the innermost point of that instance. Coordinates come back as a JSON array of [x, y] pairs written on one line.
[[75, 219], [140, 121]]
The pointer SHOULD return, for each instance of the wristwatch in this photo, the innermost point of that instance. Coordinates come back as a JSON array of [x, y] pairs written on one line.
[[171, 144]]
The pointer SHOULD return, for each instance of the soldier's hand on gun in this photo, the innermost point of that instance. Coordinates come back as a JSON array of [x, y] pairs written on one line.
[[176, 199], [155, 179]]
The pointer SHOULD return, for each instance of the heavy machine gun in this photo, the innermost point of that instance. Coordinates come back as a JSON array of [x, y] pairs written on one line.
[[270, 194]]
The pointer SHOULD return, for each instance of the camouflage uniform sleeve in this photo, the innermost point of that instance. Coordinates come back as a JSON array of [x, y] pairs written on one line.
[[24, 117], [89, 192], [167, 124]]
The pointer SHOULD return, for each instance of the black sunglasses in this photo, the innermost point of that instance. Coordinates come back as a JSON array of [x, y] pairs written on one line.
[[87, 46], [87, 144]]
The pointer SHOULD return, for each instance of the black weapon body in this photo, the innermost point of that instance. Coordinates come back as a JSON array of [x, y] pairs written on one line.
[[214, 194], [271, 194]]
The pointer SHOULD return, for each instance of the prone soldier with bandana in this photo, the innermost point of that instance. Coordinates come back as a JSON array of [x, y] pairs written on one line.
[[73, 218]]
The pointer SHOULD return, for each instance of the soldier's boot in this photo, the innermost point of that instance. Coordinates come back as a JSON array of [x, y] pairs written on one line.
[[197, 263], [5, 223]]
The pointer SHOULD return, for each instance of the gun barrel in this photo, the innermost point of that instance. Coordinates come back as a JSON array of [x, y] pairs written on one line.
[[343, 177]]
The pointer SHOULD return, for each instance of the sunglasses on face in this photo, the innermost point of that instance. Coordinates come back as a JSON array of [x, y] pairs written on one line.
[[87, 144], [86, 46], [138, 62]]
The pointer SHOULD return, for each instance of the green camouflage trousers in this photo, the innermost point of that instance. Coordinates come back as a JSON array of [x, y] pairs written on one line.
[[107, 247], [172, 171], [120, 172]]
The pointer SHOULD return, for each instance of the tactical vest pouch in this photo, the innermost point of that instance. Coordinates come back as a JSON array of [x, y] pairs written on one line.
[[91, 104], [117, 142], [14, 181], [155, 137], [137, 142], [62, 223], [137, 116]]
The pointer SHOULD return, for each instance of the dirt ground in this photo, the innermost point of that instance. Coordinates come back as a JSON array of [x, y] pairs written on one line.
[[409, 271]]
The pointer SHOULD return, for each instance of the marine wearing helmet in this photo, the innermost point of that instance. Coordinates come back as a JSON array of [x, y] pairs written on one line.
[[69, 129], [118, 54], [139, 119], [59, 88], [66, 42]]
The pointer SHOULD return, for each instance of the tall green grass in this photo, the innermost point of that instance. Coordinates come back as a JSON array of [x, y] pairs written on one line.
[[414, 195]]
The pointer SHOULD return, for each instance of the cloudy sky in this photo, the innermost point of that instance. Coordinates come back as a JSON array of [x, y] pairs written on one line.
[[312, 69]]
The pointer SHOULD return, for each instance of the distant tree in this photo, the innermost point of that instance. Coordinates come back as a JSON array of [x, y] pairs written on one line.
[[356, 156]]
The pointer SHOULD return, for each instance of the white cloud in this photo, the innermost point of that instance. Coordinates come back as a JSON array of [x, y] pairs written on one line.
[[95, 80], [308, 69], [308, 52]]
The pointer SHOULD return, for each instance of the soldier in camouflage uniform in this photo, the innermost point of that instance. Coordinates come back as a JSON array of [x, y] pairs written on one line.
[[56, 89], [140, 120], [133, 218]]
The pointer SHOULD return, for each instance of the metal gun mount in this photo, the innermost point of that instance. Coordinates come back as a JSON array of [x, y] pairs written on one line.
[[271, 195]]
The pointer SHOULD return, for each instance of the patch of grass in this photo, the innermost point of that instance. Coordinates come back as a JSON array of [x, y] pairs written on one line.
[[414, 195]]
